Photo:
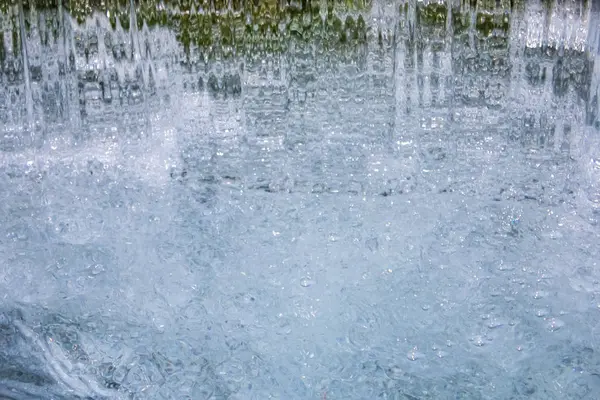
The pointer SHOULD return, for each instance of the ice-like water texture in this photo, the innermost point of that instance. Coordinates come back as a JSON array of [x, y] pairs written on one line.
[[409, 216]]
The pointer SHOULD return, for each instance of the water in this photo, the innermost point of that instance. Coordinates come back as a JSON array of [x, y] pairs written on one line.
[[342, 201]]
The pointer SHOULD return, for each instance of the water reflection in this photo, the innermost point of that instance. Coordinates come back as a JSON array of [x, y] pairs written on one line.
[[105, 54], [273, 80]]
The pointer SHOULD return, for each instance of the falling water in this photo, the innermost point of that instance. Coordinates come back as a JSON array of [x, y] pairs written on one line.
[[327, 199]]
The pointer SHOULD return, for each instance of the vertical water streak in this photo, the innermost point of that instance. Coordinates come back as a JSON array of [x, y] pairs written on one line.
[[62, 59], [593, 41], [30, 123], [135, 42], [138, 59], [408, 140], [401, 140], [400, 81], [516, 97], [591, 168], [6, 58], [68, 97]]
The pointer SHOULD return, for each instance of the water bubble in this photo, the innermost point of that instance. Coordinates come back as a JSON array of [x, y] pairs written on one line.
[[504, 267], [96, 269], [542, 312], [425, 307], [478, 340], [439, 353], [306, 282], [495, 323], [539, 294], [414, 354], [554, 324]]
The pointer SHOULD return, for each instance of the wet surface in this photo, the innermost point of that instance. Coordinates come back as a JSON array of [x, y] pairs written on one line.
[[370, 201]]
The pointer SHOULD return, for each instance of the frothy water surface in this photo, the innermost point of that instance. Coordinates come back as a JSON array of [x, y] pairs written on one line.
[[331, 201]]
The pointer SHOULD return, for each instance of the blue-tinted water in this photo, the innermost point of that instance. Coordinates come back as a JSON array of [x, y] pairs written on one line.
[[400, 208]]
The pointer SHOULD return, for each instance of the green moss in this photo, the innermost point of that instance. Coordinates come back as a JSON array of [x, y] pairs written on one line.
[[227, 34], [460, 22], [336, 24], [487, 23], [125, 21], [434, 14], [16, 43], [484, 24], [361, 29], [349, 24]]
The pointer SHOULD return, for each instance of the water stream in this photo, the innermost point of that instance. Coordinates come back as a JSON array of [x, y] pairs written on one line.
[[299, 200]]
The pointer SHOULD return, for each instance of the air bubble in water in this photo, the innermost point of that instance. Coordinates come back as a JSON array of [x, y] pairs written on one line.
[[542, 312], [554, 324], [495, 323], [478, 340], [414, 354], [539, 294], [306, 282]]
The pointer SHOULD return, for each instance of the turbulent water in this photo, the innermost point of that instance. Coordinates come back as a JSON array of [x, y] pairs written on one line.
[[403, 206]]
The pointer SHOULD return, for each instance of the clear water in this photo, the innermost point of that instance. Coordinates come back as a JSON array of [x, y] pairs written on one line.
[[410, 212]]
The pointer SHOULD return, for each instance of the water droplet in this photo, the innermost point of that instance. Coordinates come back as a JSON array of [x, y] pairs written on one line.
[[478, 340], [542, 312], [96, 269], [505, 267], [425, 307], [555, 324], [539, 294], [414, 354], [306, 282], [495, 323]]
